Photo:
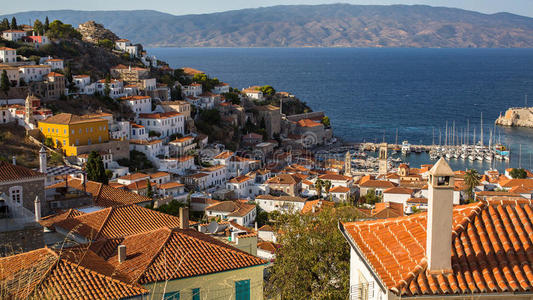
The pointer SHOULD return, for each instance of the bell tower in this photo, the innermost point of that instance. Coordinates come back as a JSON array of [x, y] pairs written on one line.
[[347, 164], [383, 153], [439, 218], [28, 110]]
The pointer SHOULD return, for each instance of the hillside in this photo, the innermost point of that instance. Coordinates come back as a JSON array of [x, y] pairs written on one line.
[[335, 25]]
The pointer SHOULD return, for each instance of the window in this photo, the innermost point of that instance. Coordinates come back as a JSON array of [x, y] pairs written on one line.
[[172, 296], [242, 290], [196, 294], [15, 194]]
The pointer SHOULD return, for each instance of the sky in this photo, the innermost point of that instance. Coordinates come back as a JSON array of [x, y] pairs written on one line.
[[182, 7]]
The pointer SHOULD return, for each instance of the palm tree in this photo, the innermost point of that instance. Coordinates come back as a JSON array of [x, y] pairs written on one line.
[[472, 179], [318, 187], [327, 186]]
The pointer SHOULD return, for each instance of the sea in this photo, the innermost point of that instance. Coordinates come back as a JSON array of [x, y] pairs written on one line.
[[370, 94]]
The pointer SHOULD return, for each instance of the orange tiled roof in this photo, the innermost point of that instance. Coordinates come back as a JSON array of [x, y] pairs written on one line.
[[339, 189], [284, 179], [398, 190], [308, 123], [377, 183], [117, 222], [170, 185], [235, 208], [317, 204], [167, 254], [224, 155], [45, 274], [491, 251], [68, 119], [134, 176], [240, 179], [337, 177], [10, 172], [165, 115], [103, 195], [50, 220]]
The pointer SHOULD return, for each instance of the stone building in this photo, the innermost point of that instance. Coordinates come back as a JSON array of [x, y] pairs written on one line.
[[272, 117], [20, 185]]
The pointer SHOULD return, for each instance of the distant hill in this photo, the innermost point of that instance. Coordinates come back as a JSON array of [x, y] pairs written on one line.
[[335, 25]]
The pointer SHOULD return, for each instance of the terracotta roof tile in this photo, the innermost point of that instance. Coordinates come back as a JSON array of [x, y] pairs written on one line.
[[104, 195], [45, 274], [165, 254], [491, 250], [10, 172], [119, 221]]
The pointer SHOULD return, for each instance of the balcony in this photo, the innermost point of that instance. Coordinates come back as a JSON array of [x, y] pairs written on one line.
[[362, 291]]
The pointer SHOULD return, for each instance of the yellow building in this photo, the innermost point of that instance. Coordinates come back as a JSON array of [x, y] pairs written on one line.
[[70, 131]]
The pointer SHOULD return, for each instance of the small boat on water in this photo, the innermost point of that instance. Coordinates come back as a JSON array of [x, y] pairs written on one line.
[[471, 157], [463, 155], [479, 157], [406, 147], [488, 157]]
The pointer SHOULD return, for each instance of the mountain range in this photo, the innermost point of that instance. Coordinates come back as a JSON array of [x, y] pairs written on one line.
[[332, 25]]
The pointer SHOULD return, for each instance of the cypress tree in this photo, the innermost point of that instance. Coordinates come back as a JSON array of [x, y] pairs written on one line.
[[46, 24], [4, 83], [14, 23], [95, 168]]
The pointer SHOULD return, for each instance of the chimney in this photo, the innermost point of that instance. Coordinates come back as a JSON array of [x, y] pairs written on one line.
[[184, 217], [439, 218], [255, 226], [121, 253], [42, 160], [14, 160], [37, 208]]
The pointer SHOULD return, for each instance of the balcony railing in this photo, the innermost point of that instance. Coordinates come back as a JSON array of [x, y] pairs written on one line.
[[362, 291]]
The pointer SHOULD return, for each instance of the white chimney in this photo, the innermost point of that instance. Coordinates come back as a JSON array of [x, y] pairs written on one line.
[[439, 218], [121, 253], [37, 208], [255, 226], [184, 217], [42, 160], [14, 160]]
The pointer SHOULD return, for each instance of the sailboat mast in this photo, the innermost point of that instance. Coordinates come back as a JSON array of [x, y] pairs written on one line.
[[481, 133], [446, 135], [467, 131]]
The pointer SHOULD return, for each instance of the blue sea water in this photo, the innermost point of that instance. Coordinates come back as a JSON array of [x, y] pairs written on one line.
[[369, 93]]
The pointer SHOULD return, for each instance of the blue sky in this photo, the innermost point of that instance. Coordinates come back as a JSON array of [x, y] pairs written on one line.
[[181, 7]]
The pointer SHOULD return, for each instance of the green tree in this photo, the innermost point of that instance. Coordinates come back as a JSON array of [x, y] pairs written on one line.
[[95, 168], [107, 87], [46, 24], [106, 43], [4, 25], [58, 30], [38, 27], [371, 197], [314, 262], [4, 83], [325, 121], [149, 190], [14, 23], [319, 184], [233, 97], [267, 90], [472, 179], [518, 173], [327, 186], [171, 208]]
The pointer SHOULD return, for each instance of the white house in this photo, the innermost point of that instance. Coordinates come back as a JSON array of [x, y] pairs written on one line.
[[241, 165], [116, 88], [172, 189], [253, 93], [242, 213], [266, 233], [165, 124], [8, 55], [221, 88], [194, 89], [181, 146], [160, 177], [397, 195], [122, 44], [217, 175], [132, 178], [241, 186], [83, 83], [340, 194], [55, 63], [271, 203], [132, 50], [176, 165], [337, 180], [13, 35], [139, 104], [138, 132], [5, 115], [34, 72], [152, 149], [223, 158]]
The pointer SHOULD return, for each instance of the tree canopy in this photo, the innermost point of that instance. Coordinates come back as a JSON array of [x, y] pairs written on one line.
[[4, 83], [58, 30], [95, 168], [518, 173], [472, 178], [267, 90], [314, 261]]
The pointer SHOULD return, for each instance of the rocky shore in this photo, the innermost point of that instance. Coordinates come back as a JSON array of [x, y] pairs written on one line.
[[517, 117]]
